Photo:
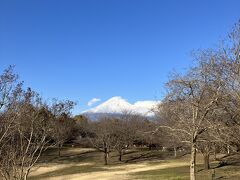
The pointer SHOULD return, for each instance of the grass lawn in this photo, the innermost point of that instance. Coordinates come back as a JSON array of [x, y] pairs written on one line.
[[83, 163]]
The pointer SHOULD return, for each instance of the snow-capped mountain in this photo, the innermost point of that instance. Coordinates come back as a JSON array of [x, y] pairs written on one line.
[[118, 105]]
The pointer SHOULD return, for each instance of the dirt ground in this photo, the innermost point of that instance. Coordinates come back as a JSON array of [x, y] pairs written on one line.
[[87, 164], [116, 172]]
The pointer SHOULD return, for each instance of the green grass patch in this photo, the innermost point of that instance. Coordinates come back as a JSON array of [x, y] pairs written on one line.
[[182, 173], [179, 173]]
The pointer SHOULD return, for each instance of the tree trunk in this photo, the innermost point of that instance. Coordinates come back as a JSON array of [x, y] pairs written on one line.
[[106, 158], [213, 174], [206, 161], [106, 155], [193, 162], [59, 150], [26, 174], [175, 152], [215, 153], [120, 156]]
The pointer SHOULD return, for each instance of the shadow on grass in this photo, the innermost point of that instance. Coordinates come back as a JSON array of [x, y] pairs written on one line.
[[95, 158], [149, 156], [134, 156], [220, 177], [176, 173], [233, 160], [182, 173], [69, 158]]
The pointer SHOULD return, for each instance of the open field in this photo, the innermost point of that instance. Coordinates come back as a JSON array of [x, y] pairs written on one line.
[[83, 163]]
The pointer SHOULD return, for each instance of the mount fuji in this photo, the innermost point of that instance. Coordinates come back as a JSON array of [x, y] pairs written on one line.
[[117, 105]]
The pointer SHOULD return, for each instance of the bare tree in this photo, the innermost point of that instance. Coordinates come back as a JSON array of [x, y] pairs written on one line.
[[104, 139], [225, 119], [8, 83], [191, 99], [230, 56], [25, 126], [24, 145], [62, 124], [125, 130]]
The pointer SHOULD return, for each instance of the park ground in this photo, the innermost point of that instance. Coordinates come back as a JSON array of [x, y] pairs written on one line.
[[86, 164]]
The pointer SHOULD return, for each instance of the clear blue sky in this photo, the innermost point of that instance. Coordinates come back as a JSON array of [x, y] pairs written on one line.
[[84, 49]]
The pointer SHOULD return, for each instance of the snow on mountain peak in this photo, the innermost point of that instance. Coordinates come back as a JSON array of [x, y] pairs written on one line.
[[117, 100], [117, 105]]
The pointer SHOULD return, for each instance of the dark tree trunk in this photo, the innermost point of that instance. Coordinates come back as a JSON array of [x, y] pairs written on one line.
[[106, 155], [59, 150], [120, 156], [206, 161]]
